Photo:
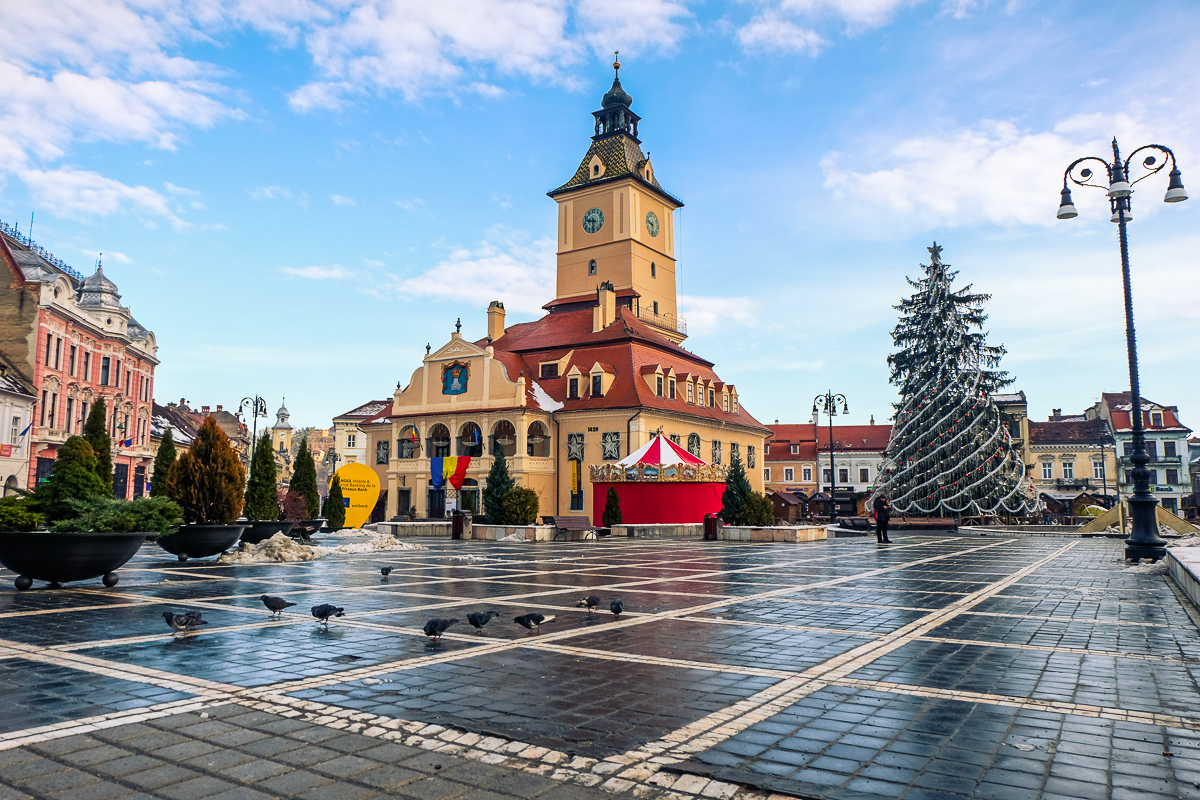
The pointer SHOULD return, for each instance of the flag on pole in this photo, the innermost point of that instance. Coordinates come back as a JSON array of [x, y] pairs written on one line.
[[27, 427]]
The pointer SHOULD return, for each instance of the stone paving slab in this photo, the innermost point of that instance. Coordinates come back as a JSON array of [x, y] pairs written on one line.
[[938, 667]]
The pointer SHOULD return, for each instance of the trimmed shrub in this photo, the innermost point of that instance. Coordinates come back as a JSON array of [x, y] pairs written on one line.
[[499, 484], [18, 514], [74, 478], [612, 508], [106, 514], [262, 499], [335, 506], [96, 434], [164, 459], [759, 510], [520, 506], [207, 481], [293, 507], [304, 480]]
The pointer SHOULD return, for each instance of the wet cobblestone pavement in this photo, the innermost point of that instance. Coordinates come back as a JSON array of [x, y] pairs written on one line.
[[939, 667]]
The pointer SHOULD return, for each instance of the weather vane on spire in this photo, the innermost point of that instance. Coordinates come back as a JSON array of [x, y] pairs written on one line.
[[617, 62]]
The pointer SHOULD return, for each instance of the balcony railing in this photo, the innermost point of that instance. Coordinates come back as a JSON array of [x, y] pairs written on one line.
[[1127, 461], [1072, 483], [664, 321]]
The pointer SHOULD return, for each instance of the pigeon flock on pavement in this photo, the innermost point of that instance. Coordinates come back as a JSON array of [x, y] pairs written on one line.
[[532, 621]]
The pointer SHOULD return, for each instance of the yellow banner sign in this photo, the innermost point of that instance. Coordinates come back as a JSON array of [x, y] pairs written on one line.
[[360, 488]]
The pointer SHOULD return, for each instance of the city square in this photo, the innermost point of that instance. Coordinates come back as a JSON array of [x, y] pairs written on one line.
[[943, 666]]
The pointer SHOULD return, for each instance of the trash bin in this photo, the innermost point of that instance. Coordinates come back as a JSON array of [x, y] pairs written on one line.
[[457, 521], [712, 527]]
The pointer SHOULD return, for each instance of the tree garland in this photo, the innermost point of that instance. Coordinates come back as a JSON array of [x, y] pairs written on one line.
[[950, 451]]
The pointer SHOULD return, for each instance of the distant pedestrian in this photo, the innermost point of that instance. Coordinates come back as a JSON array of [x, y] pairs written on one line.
[[883, 513]]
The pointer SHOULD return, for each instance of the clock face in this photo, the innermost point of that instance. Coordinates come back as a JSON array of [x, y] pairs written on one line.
[[593, 220], [652, 223]]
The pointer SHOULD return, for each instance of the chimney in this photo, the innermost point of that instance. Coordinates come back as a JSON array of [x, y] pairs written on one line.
[[495, 322], [605, 312], [220, 408], [204, 410], [872, 419]]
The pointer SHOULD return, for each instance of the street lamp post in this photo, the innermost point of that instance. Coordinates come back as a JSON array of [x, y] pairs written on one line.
[[828, 403], [258, 408], [1143, 541]]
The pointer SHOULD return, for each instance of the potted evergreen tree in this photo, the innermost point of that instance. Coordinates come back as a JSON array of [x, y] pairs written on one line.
[[335, 506], [207, 484], [499, 484], [262, 498], [304, 483], [91, 534], [612, 510]]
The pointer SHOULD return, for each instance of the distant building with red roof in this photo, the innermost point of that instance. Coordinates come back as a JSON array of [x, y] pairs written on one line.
[[1166, 444], [591, 381]]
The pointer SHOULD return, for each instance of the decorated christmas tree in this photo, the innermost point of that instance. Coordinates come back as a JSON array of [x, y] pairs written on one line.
[[950, 451]]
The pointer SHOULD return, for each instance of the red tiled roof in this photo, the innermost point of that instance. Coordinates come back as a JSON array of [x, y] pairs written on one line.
[[589, 298], [867, 438], [1073, 432], [803, 432], [627, 345], [1120, 408], [368, 409]]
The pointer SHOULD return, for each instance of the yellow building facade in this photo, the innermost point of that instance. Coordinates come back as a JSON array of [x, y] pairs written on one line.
[[588, 383]]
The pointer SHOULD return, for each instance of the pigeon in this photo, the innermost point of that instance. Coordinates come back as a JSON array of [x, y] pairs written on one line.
[[480, 618], [324, 611], [385, 571], [591, 602], [617, 606], [182, 623], [436, 627], [275, 604], [533, 621]]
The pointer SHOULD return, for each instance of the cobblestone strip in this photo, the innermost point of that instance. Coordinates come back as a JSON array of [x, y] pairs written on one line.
[[708, 731], [60, 730], [1031, 704]]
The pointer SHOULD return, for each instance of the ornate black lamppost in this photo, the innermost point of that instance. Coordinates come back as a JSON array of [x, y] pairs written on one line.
[[1143, 541], [828, 403], [258, 408]]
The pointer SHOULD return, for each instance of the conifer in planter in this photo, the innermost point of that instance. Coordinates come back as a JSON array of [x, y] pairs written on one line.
[[164, 459], [207, 484], [262, 498], [735, 501], [92, 534], [521, 506], [96, 434], [304, 483], [499, 484], [335, 506]]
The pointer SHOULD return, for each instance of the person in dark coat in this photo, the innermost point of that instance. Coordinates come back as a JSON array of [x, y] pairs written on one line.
[[883, 513]]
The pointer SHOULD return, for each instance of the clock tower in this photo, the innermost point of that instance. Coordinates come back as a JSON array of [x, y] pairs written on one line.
[[615, 223]]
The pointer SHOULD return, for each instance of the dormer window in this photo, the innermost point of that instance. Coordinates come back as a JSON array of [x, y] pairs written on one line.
[[689, 394], [659, 385], [595, 170], [573, 389], [597, 385], [1156, 419], [672, 389], [712, 398], [548, 371]]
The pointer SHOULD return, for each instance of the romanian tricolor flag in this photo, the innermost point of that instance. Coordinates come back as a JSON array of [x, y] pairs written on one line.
[[448, 468]]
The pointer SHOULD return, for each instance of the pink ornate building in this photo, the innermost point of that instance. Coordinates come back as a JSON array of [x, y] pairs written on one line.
[[74, 342]]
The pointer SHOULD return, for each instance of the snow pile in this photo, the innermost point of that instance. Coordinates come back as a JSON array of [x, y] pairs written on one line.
[[281, 547], [512, 537]]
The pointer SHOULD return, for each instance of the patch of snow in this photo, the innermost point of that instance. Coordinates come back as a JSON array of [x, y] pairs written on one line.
[[513, 537], [544, 401], [280, 548]]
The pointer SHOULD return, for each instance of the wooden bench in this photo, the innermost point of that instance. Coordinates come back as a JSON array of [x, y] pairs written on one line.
[[569, 525]]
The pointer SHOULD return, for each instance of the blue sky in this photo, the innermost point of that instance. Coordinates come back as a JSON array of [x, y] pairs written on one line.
[[296, 196]]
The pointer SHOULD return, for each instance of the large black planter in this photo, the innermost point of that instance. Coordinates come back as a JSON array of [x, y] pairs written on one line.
[[262, 530], [63, 557], [201, 541]]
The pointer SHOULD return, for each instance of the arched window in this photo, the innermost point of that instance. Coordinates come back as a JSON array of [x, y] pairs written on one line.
[[694, 443], [504, 437], [592, 267], [10, 485], [439, 441], [470, 440], [538, 443], [408, 445]]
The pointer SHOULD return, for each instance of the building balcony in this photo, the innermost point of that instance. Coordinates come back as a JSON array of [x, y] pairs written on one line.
[[666, 322], [1155, 461], [1072, 483]]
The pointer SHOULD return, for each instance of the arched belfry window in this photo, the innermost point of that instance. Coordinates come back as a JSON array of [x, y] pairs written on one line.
[[592, 267]]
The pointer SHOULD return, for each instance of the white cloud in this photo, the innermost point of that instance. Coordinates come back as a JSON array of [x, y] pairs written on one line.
[[334, 272], [110, 255], [510, 269], [857, 14], [83, 192], [768, 31], [339, 200], [710, 313], [278, 193], [994, 172], [631, 25]]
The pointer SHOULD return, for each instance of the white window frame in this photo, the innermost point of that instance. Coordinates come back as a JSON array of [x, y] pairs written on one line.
[[1047, 470], [807, 473], [789, 475]]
